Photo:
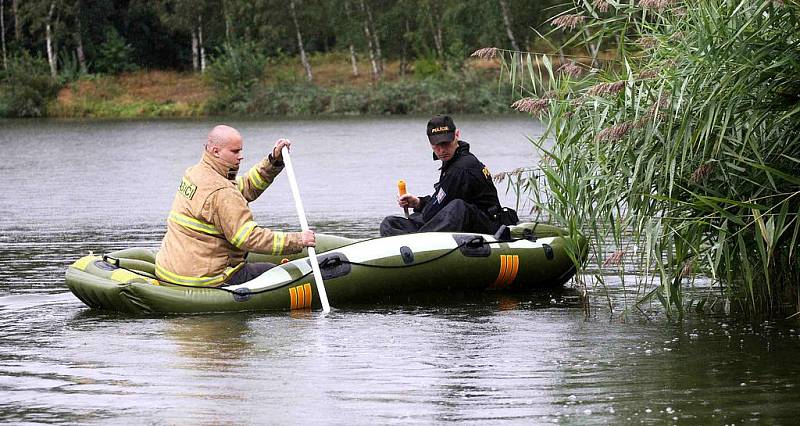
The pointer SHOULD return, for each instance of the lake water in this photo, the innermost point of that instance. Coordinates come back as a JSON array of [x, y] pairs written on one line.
[[71, 186]]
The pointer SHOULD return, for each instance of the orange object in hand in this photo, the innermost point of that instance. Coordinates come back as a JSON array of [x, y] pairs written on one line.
[[401, 190]]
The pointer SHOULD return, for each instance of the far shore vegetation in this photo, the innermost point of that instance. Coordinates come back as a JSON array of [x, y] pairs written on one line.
[[282, 90], [182, 58]]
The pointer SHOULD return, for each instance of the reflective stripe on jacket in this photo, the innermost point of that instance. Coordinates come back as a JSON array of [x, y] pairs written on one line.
[[211, 228]]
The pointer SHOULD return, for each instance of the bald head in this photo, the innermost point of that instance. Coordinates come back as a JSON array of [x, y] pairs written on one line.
[[225, 143], [222, 135]]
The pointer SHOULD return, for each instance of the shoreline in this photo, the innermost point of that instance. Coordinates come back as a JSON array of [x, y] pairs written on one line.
[[172, 94]]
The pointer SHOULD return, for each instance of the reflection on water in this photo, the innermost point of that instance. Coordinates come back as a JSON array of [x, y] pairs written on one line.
[[214, 344], [527, 358]]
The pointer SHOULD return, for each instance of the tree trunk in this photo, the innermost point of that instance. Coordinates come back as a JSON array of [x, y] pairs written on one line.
[[438, 40], [227, 18], [79, 39], [404, 50], [51, 54], [81, 54], [195, 58], [3, 32], [303, 57], [376, 70], [350, 41], [17, 26], [436, 29], [202, 52], [353, 60], [378, 54], [507, 23]]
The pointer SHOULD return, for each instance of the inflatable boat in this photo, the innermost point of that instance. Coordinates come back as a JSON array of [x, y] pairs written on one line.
[[370, 271]]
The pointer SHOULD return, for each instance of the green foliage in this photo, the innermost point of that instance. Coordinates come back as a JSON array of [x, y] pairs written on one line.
[[115, 55], [683, 150], [70, 68], [234, 72], [26, 87], [427, 67], [455, 93]]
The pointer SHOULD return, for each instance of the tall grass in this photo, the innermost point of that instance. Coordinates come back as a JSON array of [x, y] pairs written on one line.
[[680, 145]]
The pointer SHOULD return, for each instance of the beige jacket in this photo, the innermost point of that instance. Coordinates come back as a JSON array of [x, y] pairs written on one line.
[[211, 228]]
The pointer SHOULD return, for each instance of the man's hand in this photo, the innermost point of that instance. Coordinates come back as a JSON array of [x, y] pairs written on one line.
[[276, 150], [308, 239], [408, 200]]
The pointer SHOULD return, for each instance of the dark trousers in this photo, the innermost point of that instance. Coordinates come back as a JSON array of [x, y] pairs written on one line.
[[456, 216], [248, 272]]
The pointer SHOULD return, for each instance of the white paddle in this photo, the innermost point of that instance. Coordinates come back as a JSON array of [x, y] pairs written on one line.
[[312, 254]]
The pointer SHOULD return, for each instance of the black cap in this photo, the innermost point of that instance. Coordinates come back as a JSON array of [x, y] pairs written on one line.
[[441, 129]]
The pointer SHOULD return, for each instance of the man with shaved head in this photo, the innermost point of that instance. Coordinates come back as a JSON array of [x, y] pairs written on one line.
[[210, 228]]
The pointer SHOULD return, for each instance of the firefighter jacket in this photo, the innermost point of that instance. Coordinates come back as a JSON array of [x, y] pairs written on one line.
[[211, 228], [462, 177]]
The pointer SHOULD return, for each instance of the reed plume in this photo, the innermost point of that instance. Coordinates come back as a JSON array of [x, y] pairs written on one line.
[[565, 22], [531, 105], [570, 68], [606, 88], [616, 132], [486, 53], [659, 5], [601, 5]]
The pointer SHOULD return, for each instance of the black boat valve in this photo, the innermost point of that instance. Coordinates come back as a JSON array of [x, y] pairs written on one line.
[[503, 233], [528, 234], [242, 294], [476, 242], [113, 261], [407, 254], [330, 262]]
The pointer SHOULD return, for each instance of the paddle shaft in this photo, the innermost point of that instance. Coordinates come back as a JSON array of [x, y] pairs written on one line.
[[312, 254]]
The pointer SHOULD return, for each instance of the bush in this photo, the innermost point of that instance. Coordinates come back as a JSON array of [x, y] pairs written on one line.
[[115, 55], [27, 87], [455, 92], [427, 67], [234, 73]]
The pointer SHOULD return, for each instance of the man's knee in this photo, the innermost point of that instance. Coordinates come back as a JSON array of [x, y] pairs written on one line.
[[457, 206], [393, 225]]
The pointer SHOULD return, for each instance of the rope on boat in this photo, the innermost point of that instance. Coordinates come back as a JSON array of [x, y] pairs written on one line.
[[473, 242]]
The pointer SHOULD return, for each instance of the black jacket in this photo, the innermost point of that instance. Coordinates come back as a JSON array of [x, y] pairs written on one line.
[[463, 177]]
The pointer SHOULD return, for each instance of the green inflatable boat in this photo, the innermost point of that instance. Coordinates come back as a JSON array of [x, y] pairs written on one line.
[[354, 272]]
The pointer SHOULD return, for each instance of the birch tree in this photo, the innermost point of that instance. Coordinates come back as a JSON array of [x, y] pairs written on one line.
[[17, 25], [77, 35], [187, 15], [3, 32], [350, 45], [434, 15], [303, 56], [372, 45], [507, 22], [51, 49]]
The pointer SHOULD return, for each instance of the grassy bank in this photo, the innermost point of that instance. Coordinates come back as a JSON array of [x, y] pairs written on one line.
[[279, 89]]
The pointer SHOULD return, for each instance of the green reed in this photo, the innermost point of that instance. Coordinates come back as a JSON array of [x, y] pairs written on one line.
[[678, 145]]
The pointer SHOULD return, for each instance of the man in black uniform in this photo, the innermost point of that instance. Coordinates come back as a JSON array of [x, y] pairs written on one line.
[[464, 199]]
